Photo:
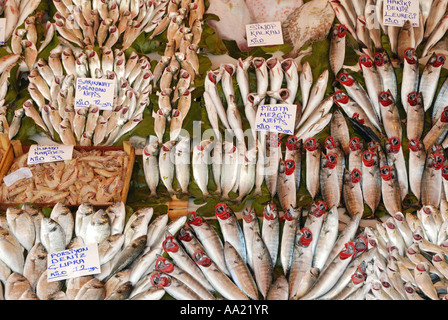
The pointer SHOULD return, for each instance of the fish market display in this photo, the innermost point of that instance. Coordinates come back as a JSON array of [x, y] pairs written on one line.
[[107, 23], [16, 13], [52, 89], [91, 176]]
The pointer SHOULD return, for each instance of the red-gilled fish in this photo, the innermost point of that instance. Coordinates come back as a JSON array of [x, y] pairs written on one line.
[[432, 179], [313, 158], [352, 192], [316, 95], [411, 75], [328, 278], [314, 221], [286, 184], [294, 152], [166, 266], [328, 180], [355, 154], [209, 239], [424, 282], [430, 77], [327, 238], [390, 115], [415, 116], [174, 287], [231, 229], [438, 131], [390, 189], [387, 73], [395, 156], [332, 146], [275, 76], [337, 47], [417, 159], [291, 75], [340, 132], [251, 225], [218, 279], [372, 81], [270, 230], [292, 221]]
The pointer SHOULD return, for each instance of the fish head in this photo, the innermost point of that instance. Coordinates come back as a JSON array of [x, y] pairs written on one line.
[[159, 281], [340, 97], [331, 160], [355, 175], [444, 115], [270, 211], [311, 144], [290, 167], [398, 216], [272, 62], [410, 56], [437, 60], [415, 145], [185, 234], [249, 215], [354, 144], [291, 213], [378, 59], [365, 61], [348, 252], [306, 237], [195, 220], [223, 211], [413, 98], [346, 79], [417, 235], [200, 258], [292, 143], [445, 172], [318, 209], [229, 68], [258, 62], [329, 143], [274, 140], [438, 159], [394, 144], [169, 244], [385, 98], [386, 173], [340, 31], [287, 63]]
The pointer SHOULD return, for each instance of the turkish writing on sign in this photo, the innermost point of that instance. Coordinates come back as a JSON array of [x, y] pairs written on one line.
[[19, 174], [94, 92], [397, 12], [264, 34], [278, 118], [2, 31], [40, 153], [73, 263]]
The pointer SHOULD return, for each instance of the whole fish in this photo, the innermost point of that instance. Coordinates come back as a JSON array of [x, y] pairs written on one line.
[[429, 79], [166, 165], [270, 230], [150, 166], [291, 75], [22, 227], [415, 116], [411, 75], [355, 154], [35, 264], [52, 235], [316, 95], [250, 226], [372, 81], [337, 47], [390, 115], [313, 158], [390, 189], [229, 169], [262, 75], [387, 73], [63, 215], [286, 184], [199, 162], [395, 156], [247, 174], [352, 192], [432, 180], [292, 220], [242, 77], [328, 179], [438, 131], [263, 266], [305, 82]]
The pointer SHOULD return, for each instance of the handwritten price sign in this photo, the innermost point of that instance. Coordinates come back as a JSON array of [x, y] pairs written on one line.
[[264, 34], [73, 263], [94, 92], [278, 118], [40, 153], [397, 12]]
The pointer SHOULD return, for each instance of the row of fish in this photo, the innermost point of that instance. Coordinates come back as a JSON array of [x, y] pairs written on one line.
[[52, 87], [128, 247], [364, 21]]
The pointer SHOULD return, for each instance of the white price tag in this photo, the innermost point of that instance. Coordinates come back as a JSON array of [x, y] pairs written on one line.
[[264, 34], [73, 263], [17, 175], [278, 118], [94, 92], [397, 12], [40, 153]]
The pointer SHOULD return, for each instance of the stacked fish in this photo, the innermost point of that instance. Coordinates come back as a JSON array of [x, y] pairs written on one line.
[[7, 63], [177, 68], [127, 251], [364, 21], [106, 22], [52, 85], [16, 13]]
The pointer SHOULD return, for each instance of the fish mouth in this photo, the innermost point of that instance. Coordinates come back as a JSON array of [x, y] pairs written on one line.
[[342, 31], [202, 259], [229, 69], [391, 225], [415, 145], [184, 235], [365, 61], [176, 113], [385, 98], [271, 62], [291, 143], [222, 211], [444, 116], [439, 60], [195, 219], [438, 161], [417, 237], [386, 173], [286, 64], [378, 59], [169, 245], [399, 216], [159, 281], [164, 265], [361, 244], [395, 144], [345, 79], [212, 77], [409, 289], [354, 144], [248, 215], [421, 267], [319, 208], [290, 167], [358, 277], [329, 143], [306, 238], [332, 160], [340, 97], [311, 144], [348, 252], [356, 175], [409, 55], [258, 62]]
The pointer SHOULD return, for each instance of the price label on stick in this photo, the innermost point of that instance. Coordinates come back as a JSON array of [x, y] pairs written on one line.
[[278, 118], [17, 175], [73, 263], [397, 12], [264, 34], [94, 92], [40, 153]]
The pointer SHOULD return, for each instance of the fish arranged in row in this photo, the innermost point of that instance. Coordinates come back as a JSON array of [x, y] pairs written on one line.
[[53, 87], [128, 248]]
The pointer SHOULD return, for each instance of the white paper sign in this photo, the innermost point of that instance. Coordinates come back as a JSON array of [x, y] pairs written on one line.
[[40, 153], [94, 92], [278, 118], [2, 31], [17, 175], [397, 12], [73, 263], [264, 34]]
